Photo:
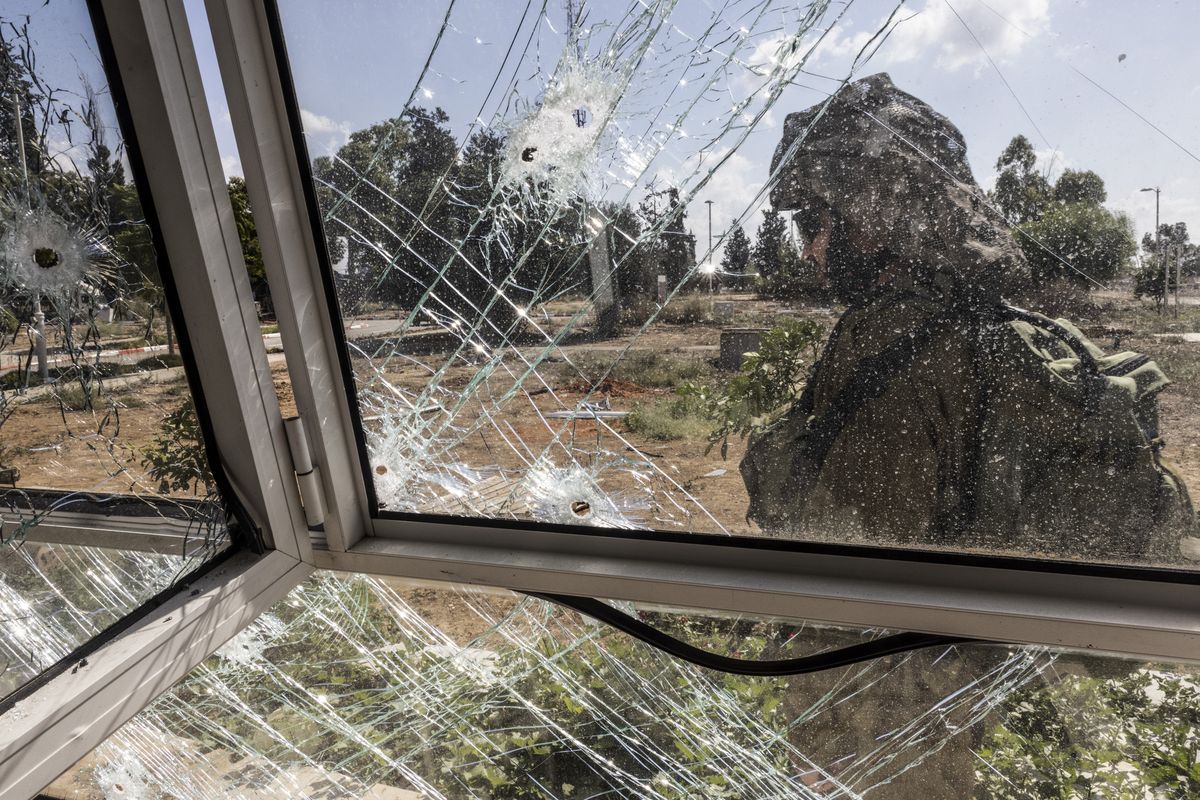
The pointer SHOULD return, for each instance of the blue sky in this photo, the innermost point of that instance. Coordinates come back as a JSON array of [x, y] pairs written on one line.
[[357, 62], [360, 65]]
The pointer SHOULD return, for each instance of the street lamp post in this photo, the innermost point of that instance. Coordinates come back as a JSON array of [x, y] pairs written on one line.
[[711, 264], [1158, 244], [1178, 275], [710, 252]]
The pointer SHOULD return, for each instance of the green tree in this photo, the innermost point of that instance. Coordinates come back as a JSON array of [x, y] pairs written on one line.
[[104, 166], [423, 207], [1172, 243], [1093, 242], [1148, 282], [1021, 193], [19, 99], [634, 271], [1173, 237], [518, 247], [736, 258], [671, 246], [248, 236], [1066, 233], [475, 285], [678, 243], [353, 191], [1080, 186], [770, 244], [131, 237]]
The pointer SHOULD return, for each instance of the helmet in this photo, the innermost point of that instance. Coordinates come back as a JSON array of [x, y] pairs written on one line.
[[891, 165]]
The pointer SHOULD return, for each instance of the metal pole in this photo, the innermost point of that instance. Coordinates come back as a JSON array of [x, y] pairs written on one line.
[[1158, 251], [710, 250], [39, 344], [1178, 275]]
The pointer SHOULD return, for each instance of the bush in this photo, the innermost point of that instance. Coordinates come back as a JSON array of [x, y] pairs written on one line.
[[687, 310], [642, 368], [1148, 282], [9, 324], [73, 396], [637, 311], [176, 459], [1094, 242], [767, 382], [795, 282], [164, 361], [676, 417]]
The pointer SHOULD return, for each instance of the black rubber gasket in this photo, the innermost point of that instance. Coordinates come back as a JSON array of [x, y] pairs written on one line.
[[818, 662]]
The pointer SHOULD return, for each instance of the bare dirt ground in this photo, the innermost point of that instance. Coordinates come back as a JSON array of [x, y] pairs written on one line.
[[62, 445], [57, 442], [100, 450]]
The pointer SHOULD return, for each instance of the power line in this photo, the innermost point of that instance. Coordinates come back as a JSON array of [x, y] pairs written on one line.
[[1095, 83]]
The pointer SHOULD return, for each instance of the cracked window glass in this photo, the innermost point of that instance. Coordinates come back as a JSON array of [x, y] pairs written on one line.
[[106, 497], [361, 687], [890, 274]]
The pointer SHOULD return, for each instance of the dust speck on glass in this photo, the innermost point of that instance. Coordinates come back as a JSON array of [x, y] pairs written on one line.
[[865, 273], [106, 497]]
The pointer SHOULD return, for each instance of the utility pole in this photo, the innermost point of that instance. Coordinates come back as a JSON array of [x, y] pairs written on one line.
[[710, 250], [1178, 275], [606, 301], [1158, 259], [39, 343]]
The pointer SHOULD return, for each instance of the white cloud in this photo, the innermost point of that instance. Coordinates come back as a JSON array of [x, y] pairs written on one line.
[[231, 165], [935, 35], [324, 133], [732, 188]]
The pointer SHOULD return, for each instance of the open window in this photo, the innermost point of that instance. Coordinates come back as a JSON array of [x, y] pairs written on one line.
[[835, 324], [111, 495]]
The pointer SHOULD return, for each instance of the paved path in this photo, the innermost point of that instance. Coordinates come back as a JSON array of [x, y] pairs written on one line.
[[1191, 338]]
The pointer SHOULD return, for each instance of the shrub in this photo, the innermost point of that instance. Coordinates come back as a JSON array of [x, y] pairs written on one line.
[[793, 284], [638, 310], [1148, 282], [767, 382], [1080, 242], [164, 361], [176, 459], [687, 310], [675, 417], [9, 324], [75, 396], [647, 369]]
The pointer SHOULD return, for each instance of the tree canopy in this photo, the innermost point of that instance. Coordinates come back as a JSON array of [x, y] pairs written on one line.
[[1063, 229], [770, 242], [737, 252], [1021, 192]]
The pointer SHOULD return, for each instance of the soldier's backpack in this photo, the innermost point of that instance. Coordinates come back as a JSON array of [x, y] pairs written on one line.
[[1048, 447]]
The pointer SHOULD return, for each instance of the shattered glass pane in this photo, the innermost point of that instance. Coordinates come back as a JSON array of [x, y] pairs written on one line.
[[707, 267], [424, 692], [106, 498]]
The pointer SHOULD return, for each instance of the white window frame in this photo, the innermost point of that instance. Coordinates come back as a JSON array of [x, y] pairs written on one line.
[[71, 714], [1143, 613], [1140, 612]]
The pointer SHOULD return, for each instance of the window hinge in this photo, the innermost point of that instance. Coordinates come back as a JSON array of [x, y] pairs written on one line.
[[307, 478]]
